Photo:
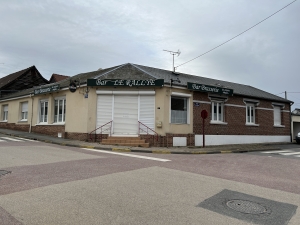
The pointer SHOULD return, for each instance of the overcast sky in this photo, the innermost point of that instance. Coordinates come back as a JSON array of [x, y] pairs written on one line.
[[71, 37]]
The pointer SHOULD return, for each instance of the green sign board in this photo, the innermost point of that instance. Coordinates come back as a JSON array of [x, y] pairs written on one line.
[[127, 83], [45, 90], [208, 88]]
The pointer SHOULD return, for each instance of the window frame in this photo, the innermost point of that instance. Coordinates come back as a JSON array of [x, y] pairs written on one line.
[[4, 113], [277, 110], [187, 98], [279, 107], [42, 121], [219, 104], [250, 119], [56, 112], [24, 111], [252, 103], [221, 100]]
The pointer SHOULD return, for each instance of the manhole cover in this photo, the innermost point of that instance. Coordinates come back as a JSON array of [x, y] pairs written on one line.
[[3, 172], [244, 206]]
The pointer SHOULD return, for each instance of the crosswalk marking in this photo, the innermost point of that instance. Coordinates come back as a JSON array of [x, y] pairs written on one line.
[[281, 151], [24, 139], [291, 152], [16, 139], [11, 139], [129, 155]]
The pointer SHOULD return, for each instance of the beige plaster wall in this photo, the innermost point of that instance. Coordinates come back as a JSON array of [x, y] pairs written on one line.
[[76, 112], [14, 110], [92, 110], [162, 112]]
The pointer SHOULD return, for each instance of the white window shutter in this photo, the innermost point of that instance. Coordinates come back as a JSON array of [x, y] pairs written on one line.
[[25, 107], [277, 115]]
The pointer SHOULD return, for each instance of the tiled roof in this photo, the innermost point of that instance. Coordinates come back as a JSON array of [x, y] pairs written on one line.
[[11, 77], [125, 71], [57, 77], [238, 89]]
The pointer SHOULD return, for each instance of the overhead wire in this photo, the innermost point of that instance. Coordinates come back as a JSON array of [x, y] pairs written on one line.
[[237, 35]]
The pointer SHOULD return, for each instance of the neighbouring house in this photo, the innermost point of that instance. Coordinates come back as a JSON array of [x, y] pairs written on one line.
[[21, 80], [159, 106], [295, 123], [57, 77]]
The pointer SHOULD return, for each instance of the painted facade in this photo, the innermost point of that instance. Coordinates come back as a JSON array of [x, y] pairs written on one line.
[[135, 107]]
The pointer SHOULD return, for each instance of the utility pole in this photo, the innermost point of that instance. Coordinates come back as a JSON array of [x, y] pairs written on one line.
[[285, 94]]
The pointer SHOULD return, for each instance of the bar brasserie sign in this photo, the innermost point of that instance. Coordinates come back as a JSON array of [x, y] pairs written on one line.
[[47, 89], [129, 83], [208, 88]]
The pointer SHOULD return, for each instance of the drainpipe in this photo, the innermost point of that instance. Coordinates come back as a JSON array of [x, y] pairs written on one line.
[[291, 125], [31, 113]]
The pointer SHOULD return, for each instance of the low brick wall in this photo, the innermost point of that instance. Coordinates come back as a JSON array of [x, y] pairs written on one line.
[[14, 126], [51, 130], [77, 136], [167, 141]]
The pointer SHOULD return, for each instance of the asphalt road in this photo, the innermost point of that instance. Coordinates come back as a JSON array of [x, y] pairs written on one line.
[[52, 184]]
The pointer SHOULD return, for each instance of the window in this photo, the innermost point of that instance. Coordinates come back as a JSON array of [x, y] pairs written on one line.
[[179, 113], [277, 116], [5, 113], [24, 111], [217, 111], [43, 111], [59, 110], [250, 114]]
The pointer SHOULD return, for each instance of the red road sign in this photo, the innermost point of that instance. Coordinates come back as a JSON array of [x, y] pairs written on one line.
[[204, 114]]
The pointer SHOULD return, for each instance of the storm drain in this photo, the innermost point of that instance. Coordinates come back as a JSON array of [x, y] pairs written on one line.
[[249, 208], [4, 172], [246, 207]]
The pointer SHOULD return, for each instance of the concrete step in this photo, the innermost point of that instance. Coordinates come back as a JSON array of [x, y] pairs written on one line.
[[125, 141]]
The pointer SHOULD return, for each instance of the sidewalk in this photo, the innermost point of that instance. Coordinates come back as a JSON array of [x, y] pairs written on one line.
[[159, 150]]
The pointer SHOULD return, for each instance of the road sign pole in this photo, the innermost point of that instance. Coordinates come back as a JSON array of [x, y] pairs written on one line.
[[204, 115], [203, 134]]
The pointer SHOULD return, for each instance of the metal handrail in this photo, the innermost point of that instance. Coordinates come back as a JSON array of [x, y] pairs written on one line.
[[101, 132], [148, 128]]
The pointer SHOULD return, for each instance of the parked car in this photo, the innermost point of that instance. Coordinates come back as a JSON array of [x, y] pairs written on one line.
[[298, 138]]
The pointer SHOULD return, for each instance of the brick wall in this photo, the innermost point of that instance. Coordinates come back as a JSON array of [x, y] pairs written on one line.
[[51, 130], [90, 138], [167, 141], [14, 126], [235, 117]]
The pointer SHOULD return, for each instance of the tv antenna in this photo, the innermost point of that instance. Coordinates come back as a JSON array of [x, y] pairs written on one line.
[[173, 53]]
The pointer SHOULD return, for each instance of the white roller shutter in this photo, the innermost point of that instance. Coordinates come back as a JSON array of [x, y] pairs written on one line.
[[147, 111], [104, 111], [5, 108], [277, 115], [125, 114]]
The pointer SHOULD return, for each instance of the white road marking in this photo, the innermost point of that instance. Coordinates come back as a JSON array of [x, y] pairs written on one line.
[[290, 153], [129, 155], [25, 139], [281, 151], [1, 140], [11, 139]]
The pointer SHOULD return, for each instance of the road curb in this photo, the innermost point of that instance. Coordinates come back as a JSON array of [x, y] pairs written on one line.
[[126, 149]]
